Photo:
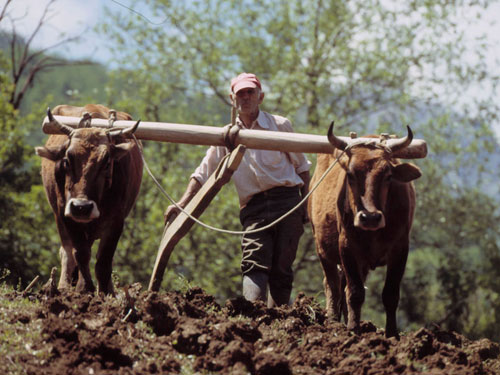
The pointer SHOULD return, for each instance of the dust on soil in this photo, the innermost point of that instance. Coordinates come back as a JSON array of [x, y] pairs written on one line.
[[141, 332]]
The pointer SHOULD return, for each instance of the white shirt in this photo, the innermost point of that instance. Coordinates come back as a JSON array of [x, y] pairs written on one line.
[[259, 170]]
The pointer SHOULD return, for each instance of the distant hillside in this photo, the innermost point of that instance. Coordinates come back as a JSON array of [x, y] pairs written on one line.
[[72, 84], [66, 84]]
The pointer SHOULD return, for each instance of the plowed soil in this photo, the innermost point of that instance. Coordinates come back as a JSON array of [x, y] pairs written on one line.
[[140, 332]]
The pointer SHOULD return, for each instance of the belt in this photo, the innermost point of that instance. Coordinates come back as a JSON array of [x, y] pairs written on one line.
[[277, 191]]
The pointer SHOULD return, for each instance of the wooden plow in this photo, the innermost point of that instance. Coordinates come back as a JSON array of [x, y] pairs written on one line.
[[215, 136]]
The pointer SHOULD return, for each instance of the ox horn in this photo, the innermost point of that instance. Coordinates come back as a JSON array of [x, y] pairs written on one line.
[[402, 143], [63, 128], [336, 142], [125, 132]]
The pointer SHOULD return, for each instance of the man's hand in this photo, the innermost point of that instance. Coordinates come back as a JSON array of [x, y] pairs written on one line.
[[171, 213]]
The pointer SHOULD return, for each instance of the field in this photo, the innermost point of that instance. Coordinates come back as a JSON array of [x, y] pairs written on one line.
[[141, 332]]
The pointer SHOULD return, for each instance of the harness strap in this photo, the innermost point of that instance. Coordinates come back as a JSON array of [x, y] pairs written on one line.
[[111, 118], [230, 133], [85, 121]]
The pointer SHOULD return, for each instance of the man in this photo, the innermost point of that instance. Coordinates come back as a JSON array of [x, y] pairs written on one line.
[[269, 184]]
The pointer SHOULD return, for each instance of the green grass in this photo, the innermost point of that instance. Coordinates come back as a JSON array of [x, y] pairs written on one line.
[[19, 338]]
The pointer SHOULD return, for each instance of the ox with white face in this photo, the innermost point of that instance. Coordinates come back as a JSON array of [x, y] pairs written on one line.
[[86, 164], [369, 175], [361, 215], [92, 178]]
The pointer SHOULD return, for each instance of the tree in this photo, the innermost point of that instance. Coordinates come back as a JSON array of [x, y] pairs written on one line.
[[23, 232], [320, 59], [25, 62]]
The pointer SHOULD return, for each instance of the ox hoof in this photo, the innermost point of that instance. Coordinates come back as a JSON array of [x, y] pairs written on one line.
[[83, 289], [354, 328], [333, 318], [390, 334]]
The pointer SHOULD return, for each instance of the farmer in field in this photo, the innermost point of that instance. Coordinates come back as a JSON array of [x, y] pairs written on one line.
[[269, 184]]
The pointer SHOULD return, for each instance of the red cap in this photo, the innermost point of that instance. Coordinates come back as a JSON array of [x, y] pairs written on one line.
[[243, 81]]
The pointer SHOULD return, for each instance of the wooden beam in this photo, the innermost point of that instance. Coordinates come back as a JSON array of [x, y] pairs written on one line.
[[178, 228], [214, 136]]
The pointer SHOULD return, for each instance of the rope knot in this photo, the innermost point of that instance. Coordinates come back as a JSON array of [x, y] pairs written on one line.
[[230, 133]]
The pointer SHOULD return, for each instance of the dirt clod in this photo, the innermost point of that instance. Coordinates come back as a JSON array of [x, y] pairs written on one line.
[[140, 332]]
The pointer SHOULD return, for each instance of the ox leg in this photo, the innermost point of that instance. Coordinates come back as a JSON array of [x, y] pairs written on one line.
[[343, 302], [332, 287], [82, 256], [390, 294], [68, 266], [68, 262], [105, 254], [354, 291], [82, 247]]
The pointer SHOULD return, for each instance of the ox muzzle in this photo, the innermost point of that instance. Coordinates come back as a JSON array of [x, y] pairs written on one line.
[[367, 220], [81, 210]]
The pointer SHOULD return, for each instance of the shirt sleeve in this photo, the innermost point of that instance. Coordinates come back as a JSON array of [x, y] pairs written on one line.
[[209, 163], [298, 159]]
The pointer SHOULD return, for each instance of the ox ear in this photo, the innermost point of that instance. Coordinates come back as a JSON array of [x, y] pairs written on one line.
[[52, 153], [406, 172], [120, 150]]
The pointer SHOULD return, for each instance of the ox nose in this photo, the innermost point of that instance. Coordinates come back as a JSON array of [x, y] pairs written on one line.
[[370, 217], [370, 220], [81, 208]]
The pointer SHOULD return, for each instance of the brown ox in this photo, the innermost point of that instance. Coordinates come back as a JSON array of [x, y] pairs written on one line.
[[361, 216], [92, 178]]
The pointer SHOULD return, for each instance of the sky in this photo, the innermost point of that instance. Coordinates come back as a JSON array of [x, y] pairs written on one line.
[[78, 17], [66, 17]]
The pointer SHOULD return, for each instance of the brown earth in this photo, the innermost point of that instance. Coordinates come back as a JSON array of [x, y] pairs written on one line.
[[142, 332]]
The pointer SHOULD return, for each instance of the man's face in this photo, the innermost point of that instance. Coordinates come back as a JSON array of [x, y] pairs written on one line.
[[248, 100]]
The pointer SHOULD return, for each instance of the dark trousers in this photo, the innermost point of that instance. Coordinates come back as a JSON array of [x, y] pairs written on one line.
[[272, 252]]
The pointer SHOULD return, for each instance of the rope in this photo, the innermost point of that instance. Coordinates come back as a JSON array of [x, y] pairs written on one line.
[[231, 130], [234, 231]]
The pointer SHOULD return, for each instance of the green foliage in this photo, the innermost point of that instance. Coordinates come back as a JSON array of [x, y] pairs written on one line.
[[68, 84], [318, 60], [22, 229], [72, 84]]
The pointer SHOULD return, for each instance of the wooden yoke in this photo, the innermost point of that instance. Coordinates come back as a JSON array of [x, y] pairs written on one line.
[[178, 228]]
